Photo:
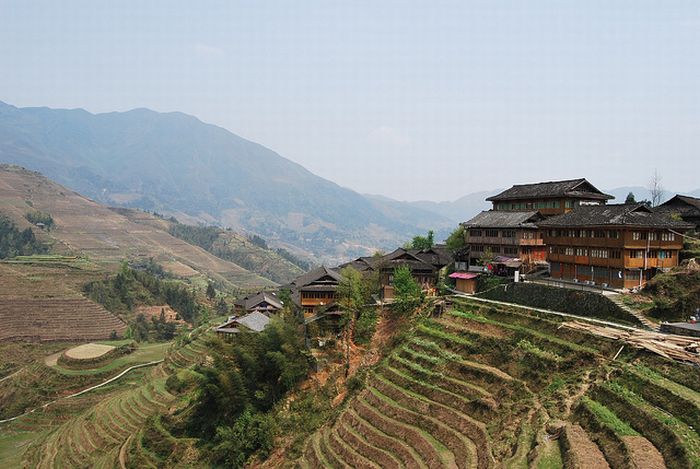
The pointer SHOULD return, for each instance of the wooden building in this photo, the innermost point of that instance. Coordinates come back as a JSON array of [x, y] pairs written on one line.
[[315, 290], [251, 322], [549, 198], [686, 207], [506, 235], [465, 282], [620, 246], [422, 270], [264, 302]]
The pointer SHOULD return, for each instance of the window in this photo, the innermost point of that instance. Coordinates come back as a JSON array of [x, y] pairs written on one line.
[[615, 254], [569, 204], [508, 233], [653, 254], [495, 249], [510, 250], [492, 233], [599, 234], [569, 251], [529, 235], [668, 236], [600, 253], [572, 233], [636, 254], [636, 235], [475, 233], [653, 236], [581, 251], [583, 233], [614, 234]]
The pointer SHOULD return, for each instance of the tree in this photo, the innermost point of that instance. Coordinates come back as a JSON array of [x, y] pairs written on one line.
[[423, 242], [407, 293], [353, 295], [211, 291], [630, 199], [456, 240], [656, 189]]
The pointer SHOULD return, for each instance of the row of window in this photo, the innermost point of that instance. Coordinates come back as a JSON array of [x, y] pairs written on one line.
[[584, 252], [653, 236], [612, 234], [652, 254], [529, 205], [317, 295], [490, 233]]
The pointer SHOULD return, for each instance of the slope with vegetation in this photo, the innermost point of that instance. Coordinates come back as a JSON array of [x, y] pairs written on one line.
[[83, 227], [492, 387]]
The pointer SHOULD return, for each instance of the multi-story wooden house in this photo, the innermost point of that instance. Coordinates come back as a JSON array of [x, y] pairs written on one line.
[[315, 290], [549, 198], [621, 246], [513, 236], [686, 207], [422, 270]]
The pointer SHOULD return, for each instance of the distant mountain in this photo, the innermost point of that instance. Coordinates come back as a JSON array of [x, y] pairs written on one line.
[[173, 163], [462, 209]]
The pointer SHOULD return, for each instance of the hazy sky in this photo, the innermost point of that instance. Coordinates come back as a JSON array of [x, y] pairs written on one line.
[[410, 99]]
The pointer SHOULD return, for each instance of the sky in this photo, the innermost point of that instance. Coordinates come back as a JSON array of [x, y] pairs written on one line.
[[408, 99]]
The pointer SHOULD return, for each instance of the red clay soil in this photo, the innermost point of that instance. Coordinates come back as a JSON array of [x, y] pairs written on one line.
[[644, 455], [154, 312], [582, 453]]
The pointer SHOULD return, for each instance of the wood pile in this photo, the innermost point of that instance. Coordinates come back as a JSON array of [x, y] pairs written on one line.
[[675, 347]]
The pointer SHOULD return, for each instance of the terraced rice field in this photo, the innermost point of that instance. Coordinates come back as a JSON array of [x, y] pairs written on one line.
[[482, 387], [107, 431]]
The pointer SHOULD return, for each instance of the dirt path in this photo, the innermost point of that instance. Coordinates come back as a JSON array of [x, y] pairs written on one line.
[[644, 455], [52, 360]]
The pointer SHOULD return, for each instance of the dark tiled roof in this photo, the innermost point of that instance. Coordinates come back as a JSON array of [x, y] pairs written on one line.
[[252, 301], [615, 215], [503, 219], [576, 188], [255, 321], [315, 275], [683, 204]]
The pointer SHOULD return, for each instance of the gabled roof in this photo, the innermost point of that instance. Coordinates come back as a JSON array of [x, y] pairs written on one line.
[[503, 219], [401, 257], [682, 204], [254, 321], [317, 275], [615, 215], [439, 255], [574, 188], [251, 301]]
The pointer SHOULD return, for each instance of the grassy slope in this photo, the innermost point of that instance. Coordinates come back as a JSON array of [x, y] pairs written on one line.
[[103, 235]]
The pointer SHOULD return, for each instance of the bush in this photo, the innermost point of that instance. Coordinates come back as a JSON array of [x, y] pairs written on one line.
[[365, 326]]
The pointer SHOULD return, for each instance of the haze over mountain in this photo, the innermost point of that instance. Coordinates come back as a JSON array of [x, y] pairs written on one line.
[[174, 163]]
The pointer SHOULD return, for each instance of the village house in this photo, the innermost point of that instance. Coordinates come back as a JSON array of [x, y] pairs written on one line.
[[252, 322], [549, 198], [423, 271], [424, 265], [264, 302], [619, 246], [507, 240], [316, 290], [686, 207]]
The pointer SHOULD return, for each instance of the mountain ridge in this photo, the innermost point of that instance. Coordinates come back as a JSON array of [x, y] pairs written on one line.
[[170, 162]]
